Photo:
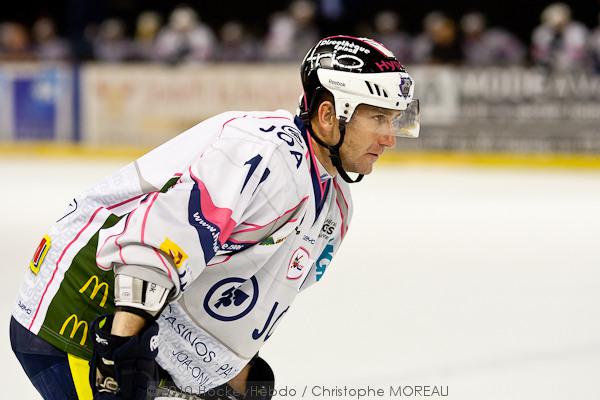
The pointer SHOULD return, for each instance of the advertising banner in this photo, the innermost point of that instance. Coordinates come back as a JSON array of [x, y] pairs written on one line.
[[490, 110], [149, 104], [508, 110], [36, 102]]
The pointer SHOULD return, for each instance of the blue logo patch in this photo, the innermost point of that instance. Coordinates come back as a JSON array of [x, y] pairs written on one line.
[[231, 298], [323, 261]]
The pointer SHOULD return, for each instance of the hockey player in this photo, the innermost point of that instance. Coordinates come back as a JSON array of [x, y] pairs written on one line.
[[176, 269]]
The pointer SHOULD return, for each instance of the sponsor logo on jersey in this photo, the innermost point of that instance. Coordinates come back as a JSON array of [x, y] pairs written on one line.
[[76, 325], [323, 261], [269, 324], [40, 254], [97, 286], [232, 246], [231, 298], [328, 228], [308, 239], [175, 252], [191, 335], [24, 308], [298, 263]]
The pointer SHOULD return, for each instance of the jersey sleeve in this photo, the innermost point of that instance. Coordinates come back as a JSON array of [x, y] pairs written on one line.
[[178, 230]]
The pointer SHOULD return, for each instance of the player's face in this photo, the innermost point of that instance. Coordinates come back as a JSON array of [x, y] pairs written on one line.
[[368, 135]]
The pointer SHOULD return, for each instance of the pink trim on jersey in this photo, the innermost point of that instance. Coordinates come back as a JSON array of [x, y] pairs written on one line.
[[256, 227], [343, 228], [233, 119], [122, 233], [219, 216], [314, 162], [58, 262], [274, 117], [232, 240], [245, 115], [342, 193], [116, 236], [142, 236], [249, 224], [125, 202], [162, 260], [220, 262]]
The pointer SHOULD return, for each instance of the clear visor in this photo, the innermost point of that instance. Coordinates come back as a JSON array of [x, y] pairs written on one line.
[[408, 123], [385, 121]]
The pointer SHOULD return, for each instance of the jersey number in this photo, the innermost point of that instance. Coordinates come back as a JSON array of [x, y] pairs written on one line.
[[253, 162]]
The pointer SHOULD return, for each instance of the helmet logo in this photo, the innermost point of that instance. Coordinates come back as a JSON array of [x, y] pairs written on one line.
[[348, 61], [344, 45], [343, 61], [392, 65], [336, 83], [405, 84]]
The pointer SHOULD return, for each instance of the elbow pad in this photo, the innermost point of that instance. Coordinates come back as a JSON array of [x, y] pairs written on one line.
[[141, 290]]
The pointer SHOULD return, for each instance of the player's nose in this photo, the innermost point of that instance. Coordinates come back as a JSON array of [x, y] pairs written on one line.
[[387, 140]]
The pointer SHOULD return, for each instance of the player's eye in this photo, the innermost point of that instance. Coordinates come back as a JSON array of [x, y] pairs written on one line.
[[380, 118]]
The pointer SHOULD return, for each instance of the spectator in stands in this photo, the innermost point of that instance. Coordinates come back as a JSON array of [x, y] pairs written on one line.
[[185, 38], [559, 43], [387, 31], [14, 42], [111, 43], [291, 33], [147, 26], [279, 40], [235, 44], [438, 43], [595, 47], [47, 45], [484, 46]]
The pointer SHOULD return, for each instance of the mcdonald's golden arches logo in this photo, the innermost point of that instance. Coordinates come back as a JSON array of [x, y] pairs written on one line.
[[97, 286], [76, 325]]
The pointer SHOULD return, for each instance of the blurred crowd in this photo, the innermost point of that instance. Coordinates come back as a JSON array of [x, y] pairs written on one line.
[[559, 43]]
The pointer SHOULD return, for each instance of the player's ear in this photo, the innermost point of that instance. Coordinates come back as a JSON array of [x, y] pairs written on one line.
[[326, 117]]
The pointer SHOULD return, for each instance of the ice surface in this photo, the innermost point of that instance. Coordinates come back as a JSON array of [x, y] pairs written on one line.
[[482, 280]]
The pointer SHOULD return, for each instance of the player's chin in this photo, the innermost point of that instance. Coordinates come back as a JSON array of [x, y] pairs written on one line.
[[364, 167]]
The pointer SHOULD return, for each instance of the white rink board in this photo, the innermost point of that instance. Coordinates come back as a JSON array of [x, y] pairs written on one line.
[[482, 280]]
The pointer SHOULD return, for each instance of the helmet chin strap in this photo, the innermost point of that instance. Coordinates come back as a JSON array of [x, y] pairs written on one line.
[[334, 151]]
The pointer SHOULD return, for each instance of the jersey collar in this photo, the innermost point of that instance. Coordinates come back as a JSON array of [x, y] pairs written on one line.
[[321, 179]]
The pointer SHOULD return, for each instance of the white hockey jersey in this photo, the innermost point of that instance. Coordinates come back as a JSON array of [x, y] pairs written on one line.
[[236, 211]]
